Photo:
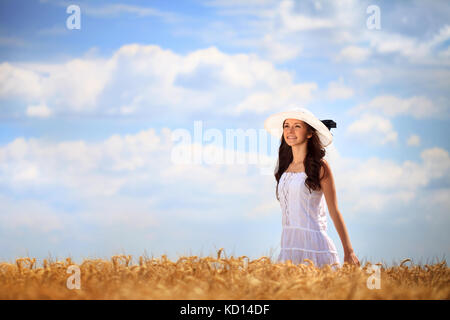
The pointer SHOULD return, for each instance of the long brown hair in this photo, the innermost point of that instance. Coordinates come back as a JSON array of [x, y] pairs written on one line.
[[313, 160]]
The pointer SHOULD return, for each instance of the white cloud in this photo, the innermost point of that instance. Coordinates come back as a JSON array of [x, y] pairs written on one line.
[[343, 23], [353, 54], [338, 90], [372, 128], [75, 84], [442, 36], [436, 162], [375, 184], [137, 79], [430, 83], [417, 51], [40, 111], [413, 140], [368, 75], [278, 51], [281, 29], [291, 22], [104, 168], [317, 5], [262, 102], [419, 107], [76, 165], [19, 82]]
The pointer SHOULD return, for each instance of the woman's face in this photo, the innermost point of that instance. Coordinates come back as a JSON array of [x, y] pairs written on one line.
[[294, 132]]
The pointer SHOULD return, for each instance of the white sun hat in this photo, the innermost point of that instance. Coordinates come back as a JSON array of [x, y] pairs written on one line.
[[274, 124]]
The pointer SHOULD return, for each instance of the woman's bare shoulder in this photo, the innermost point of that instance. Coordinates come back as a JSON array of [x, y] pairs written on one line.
[[324, 167]]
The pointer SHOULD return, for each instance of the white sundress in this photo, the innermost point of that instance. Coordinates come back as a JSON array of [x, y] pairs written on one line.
[[304, 223]]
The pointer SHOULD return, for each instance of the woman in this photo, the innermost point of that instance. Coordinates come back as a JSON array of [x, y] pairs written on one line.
[[304, 183]]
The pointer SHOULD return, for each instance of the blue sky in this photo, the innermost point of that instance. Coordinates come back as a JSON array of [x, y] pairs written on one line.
[[87, 118]]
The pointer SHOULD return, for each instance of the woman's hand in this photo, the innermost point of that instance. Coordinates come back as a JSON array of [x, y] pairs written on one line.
[[351, 258]]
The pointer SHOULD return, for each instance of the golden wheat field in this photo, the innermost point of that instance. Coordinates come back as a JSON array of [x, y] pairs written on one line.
[[217, 277]]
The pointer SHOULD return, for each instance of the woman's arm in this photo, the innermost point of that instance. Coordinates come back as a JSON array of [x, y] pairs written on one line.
[[329, 190]]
